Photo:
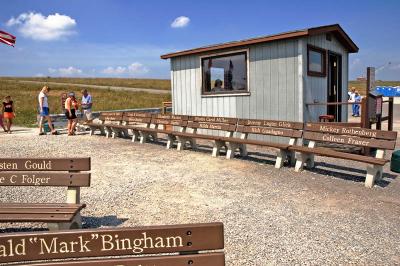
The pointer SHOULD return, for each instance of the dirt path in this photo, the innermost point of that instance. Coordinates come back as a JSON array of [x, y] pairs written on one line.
[[157, 91]]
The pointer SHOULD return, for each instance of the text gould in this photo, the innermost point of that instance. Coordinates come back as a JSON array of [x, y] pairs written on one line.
[[28, 165]]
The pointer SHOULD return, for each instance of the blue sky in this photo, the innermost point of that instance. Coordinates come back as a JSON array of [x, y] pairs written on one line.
[[104, 38]]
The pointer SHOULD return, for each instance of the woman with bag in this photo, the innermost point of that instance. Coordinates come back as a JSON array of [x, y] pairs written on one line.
[[71, 105]]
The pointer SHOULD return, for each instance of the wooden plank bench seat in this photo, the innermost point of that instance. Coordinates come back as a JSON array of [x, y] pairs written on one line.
[[227, 125], [106, 119], [165, 245], [131, 121], [290, 130], [45, 172], [361, 137]]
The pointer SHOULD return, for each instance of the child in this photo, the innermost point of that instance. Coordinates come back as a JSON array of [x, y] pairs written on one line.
[[8, 112]]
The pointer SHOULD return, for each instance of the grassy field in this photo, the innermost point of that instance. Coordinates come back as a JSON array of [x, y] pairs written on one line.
[[162, 84], [25, 97]]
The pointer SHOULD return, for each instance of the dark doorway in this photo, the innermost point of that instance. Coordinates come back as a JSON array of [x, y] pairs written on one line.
[[334, 85]]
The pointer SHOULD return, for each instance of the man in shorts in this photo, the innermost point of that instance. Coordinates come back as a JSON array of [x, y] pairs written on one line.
[[86, 105], [44, 111]]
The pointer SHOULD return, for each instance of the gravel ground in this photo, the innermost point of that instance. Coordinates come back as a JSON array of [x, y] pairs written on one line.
[[271, 216]]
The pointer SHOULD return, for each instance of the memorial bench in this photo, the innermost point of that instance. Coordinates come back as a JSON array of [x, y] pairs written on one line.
[[361, 137], [106, 120], [290, 130], [227, 125], [40, 172], [170, 245], [130, 121]]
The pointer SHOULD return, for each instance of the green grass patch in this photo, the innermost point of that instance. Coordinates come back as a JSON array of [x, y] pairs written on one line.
[[25, 97]]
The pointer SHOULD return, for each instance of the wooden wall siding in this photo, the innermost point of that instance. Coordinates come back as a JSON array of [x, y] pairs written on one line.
[[315, 88]]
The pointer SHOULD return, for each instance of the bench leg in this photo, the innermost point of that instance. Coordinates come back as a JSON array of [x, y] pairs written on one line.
[[373, 173], [304, 158], [91, 131], [135, 135], [217, 147], [143, 136], [231, 149], [182, 143], [170, 141], [76, 223], [280, 158], [243, 150]]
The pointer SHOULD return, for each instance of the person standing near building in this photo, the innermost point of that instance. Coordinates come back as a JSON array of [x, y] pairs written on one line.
[[44, 111], [86, 106], [8, 113], [352, 94], [357, 101]]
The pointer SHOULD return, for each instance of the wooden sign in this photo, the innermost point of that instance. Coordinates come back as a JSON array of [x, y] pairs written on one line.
[[213, 126], [270, 123], [173, 117], [209, 259], [44, 179], [137, 119], [270, 131], [110, 242], [224, 120], [352, 131], [169, 122], [44, 164], [137, 114], [350, 140]]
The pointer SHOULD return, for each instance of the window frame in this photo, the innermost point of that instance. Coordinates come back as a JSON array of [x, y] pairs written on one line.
[[227, 93], [323, 52]]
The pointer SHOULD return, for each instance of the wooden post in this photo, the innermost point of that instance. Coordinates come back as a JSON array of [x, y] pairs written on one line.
[[390, 120], [364, 113]]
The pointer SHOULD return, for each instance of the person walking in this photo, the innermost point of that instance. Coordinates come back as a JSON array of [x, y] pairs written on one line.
[[8, 113], [1, 123], [71, 105], [44, 111], [86, 105]]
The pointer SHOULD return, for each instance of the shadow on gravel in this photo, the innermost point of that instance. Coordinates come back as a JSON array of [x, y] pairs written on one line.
[[343, 173], [96, 222]]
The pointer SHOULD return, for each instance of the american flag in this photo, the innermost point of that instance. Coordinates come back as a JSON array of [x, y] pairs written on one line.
[[7, 38]]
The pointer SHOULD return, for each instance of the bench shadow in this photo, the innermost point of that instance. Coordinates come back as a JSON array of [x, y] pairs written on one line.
[[96, 222], [356, 175]]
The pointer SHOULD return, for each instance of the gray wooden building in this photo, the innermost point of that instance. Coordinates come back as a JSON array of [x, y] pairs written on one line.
[[270, 77]]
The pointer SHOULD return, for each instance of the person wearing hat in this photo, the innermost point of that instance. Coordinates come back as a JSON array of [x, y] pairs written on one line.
[[71, 105]]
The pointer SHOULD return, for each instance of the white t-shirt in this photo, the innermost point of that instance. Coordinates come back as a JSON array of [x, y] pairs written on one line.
[[44, 96]]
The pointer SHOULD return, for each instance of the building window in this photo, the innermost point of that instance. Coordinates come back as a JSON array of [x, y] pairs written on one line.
[[224, 74], [316, 58]]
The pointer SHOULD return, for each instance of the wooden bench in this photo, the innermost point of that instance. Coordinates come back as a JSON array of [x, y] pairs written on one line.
[[41, 172], [353, 136], [224, 124], [170, 245], [165, 123], [136, 122], [106, 120], [290, 130]]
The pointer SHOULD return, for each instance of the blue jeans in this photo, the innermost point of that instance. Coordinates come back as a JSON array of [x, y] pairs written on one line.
[[356, 109]]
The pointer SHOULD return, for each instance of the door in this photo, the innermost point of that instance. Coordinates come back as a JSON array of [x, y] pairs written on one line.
[[334, 85]]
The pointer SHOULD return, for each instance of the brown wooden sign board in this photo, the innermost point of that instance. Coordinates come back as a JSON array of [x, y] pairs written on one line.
[[352, 131], [137, 114], [350, 140], [213, 126], [283, 132], [271, 123], [212, 119], [168, 122], [137, 119], [44, 164], [110, 242], [209, 259], [173, 117], [45, 179]]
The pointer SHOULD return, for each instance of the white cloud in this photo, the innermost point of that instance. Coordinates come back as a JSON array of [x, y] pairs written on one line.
[[66, 71], [39, 75], [132, 69], [180, 22], [38, 27]]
